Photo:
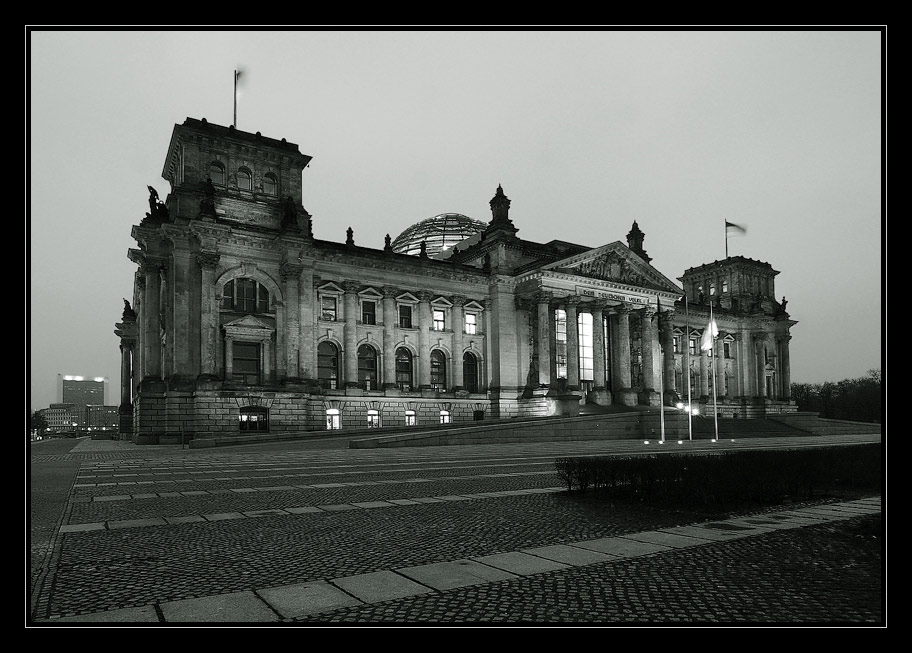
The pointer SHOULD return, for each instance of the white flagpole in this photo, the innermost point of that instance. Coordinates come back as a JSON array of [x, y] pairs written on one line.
[[725, 227], [713, 363], [235, 99], [661, 372], [687, 367]]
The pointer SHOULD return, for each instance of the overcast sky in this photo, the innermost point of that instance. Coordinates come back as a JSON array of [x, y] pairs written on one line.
[[587, 131]]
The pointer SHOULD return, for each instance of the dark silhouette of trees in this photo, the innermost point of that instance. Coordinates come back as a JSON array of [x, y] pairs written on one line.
[[857, 400]]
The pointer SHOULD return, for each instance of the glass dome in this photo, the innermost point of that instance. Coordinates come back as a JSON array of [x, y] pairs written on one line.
[[440, 233]]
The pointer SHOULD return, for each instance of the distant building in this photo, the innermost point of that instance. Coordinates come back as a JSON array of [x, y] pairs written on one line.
[[102, 418], [81, 392], [60, 417], [242, 321]]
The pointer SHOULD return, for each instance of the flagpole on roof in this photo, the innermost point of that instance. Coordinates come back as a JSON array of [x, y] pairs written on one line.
[[725, 228], [234, 122], [712, 332], [661, 372], [687, 367]]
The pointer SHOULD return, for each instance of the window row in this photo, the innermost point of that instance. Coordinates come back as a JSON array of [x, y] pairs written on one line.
[[329, 369], [329, 310], [373, 419], [694, 349], [244, 179]]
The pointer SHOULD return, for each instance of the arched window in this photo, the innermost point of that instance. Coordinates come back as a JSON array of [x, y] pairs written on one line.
[[328, 365], [404, 369], [217, 173], [373, 419], [470, 372], [367, 367], [244, 179], [438, 371], [245, 296], [254, 418], [270, 184], [444, 417]]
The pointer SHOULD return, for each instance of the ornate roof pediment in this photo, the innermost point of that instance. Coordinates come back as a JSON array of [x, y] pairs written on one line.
[[613, 262], [248, 322]]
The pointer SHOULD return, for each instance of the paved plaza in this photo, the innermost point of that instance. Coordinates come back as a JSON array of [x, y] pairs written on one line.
[[313, 533]]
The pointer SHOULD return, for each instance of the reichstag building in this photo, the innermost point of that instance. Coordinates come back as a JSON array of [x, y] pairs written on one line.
[[241, 321]]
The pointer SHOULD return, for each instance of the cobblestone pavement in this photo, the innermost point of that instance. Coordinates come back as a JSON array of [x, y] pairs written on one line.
[[317, 534]]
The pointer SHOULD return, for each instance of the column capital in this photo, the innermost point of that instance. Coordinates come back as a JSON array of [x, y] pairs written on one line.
[[458, 300], [389, 292], [291, 270], [623, 309], [544, 297], [424, 295], [351, 286]]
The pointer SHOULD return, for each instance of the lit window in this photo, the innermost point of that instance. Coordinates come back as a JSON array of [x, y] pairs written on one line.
[[439, 320], [712, 288], [373, 419], [243, 180], [560, 342], [410, 418], [327, 365], [254, 418], [584, 323], [438, 371], [328, 307], [444, 417], [693, 347], [333, 419], [405, 317], [677, 344], [470, 323], [368, 312], [725, 285]]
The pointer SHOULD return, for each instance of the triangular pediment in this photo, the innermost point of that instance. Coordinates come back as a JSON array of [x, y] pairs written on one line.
[[613, 262], [248, 322]]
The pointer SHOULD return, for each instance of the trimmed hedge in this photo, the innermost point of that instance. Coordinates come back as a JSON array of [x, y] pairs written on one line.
[[726, 477]]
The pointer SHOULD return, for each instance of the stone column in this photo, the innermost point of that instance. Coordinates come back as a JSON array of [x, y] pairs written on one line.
[[229, 356], [458, 329], [390, 326], [424, 353], [704, 372], [151, 321], [573, 376], [719, 367], [600, 393], [291, 275], [127, 331], [666, 335], [760, 339], [208, 314], [785, 373], [164, 322], [628, 396], [350, 334], [745, 361], [266, 349], [545, 316], [181, 357], [648, 343]]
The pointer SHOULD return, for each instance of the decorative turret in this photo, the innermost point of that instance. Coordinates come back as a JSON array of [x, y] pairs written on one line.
[[500, 210], [635, 242]]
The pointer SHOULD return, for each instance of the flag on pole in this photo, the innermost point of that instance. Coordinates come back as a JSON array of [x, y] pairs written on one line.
[[709, 334], [732, 229]]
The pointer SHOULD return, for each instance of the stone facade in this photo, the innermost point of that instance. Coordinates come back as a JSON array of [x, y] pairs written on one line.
[[241, 321]]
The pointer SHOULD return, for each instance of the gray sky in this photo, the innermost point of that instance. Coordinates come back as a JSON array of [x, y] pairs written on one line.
[[587, 131]]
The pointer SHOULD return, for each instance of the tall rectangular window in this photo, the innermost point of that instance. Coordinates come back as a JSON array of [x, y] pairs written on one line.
[[471, 325], [439, 320], [329, 308], [584, 321], [560, 343], [245, 362], [368, 312], [405, 317]]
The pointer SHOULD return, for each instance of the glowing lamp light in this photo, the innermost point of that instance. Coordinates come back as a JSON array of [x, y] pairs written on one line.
[[680, 441], [695, 411], [645, 441], [679, 405]]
